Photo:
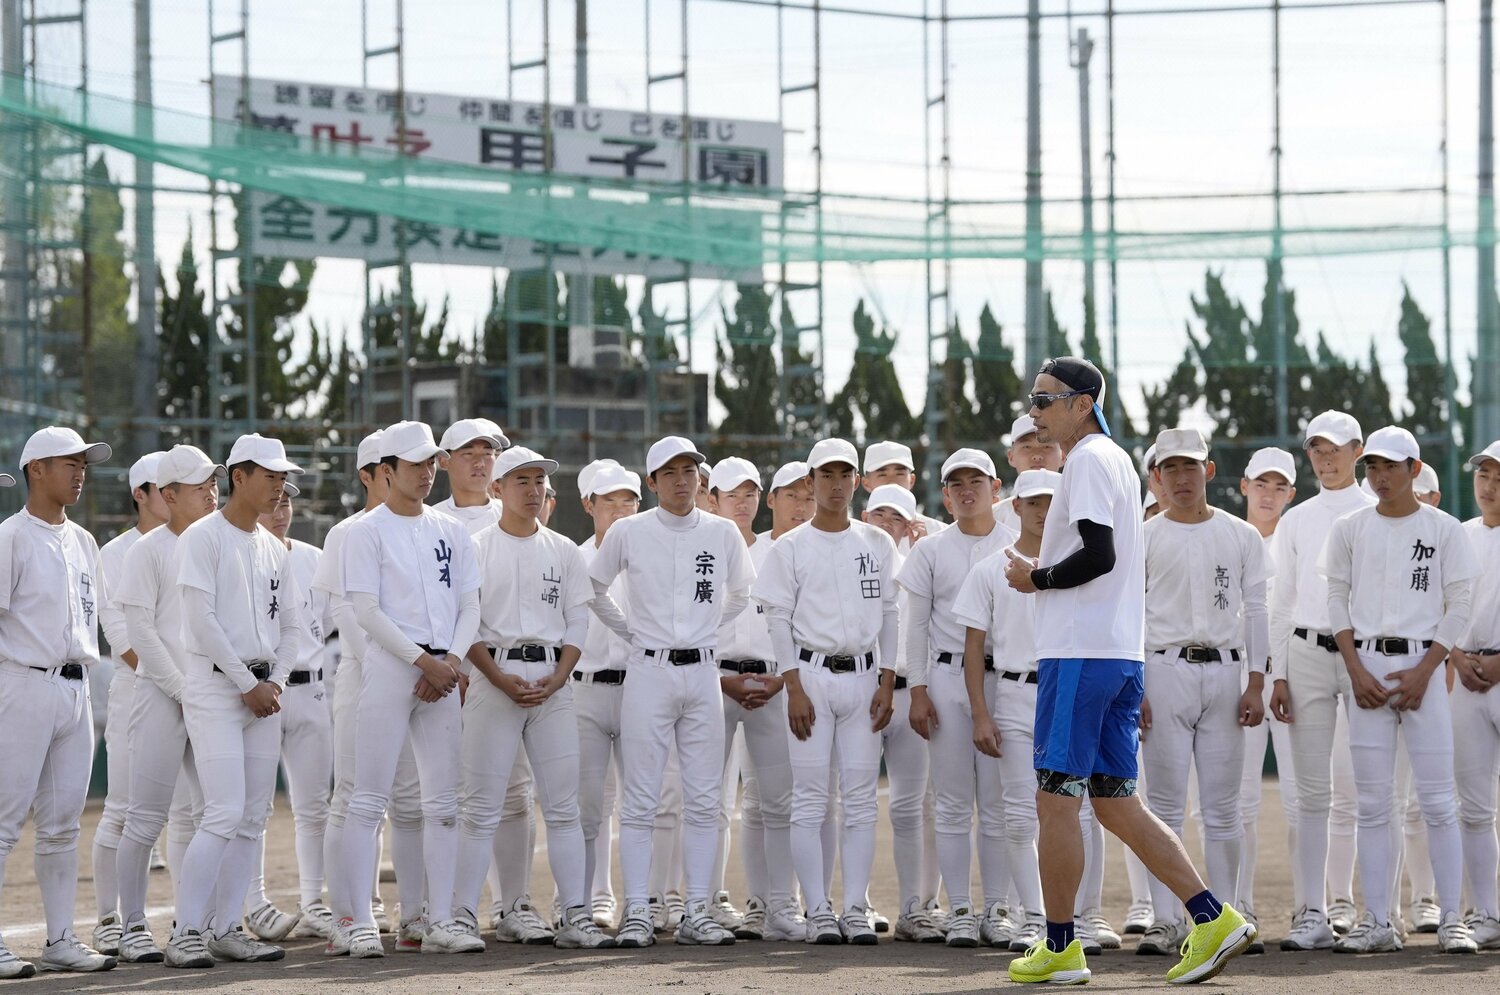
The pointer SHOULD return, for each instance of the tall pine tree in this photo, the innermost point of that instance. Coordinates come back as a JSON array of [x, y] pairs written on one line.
[[745, 382], [872, 394], [997, 388]]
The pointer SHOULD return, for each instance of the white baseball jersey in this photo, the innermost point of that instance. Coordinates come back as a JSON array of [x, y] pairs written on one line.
[[746, 637], [988, 602], [835, 590], [687, 574], [1300, 600], [933, 574], [329, 579], [52, 597], [1102, 619], [1484, 610], [1406, 577], [149, 583], [475, 516], [603, 648], [1206, 585], [239, 604], [418, 567], [532, 590], [112, 562], [303, 558]]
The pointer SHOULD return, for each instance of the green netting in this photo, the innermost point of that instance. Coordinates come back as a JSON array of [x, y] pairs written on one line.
[[731, 229]]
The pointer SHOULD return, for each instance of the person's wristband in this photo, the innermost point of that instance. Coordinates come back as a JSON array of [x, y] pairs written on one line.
[[1041, 578]]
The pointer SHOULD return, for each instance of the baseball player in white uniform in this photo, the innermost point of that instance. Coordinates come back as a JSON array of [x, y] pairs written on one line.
[[1308, 683], [1399, 580], [151, 600], [241, 616], [1025, 452], [410, 573], [830, 600], [687, 574], [1205, 624], [999, 620], [1476, 708], [932, 577], [1268, 486], [49, 636], [753, 702], [534, 607], [150, 512]]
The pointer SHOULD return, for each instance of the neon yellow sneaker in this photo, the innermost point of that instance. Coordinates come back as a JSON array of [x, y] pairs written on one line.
[[1042, 966], [1210, 946]]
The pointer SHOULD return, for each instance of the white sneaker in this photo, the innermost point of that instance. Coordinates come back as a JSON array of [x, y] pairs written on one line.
[[1455, 937], [411, 933], [1485, 929], [364, 941], [68, 953], [1310, 931], [1342, 915], [270, 923], [963, 927], [658, 909], [1425, 915], [314, 922], [676, 910], [785, 924], [752, 925], [604, 913], [880, 922], [521, 924], [637, 930], [580, 932], [997, 929], [155, 862], [724, 912], [238, 945], [138, 946], [338, 940], [451, 937], [382, 920], [936, 916], [1029, 933], [1139, 918], [107, 934], [12, 966], [823, 926], [700, 928], [1083, 932], [857, 927], [915, 926], [1163, 939], [497, 909], [187, 949], [1103, 931], [1368, 937]]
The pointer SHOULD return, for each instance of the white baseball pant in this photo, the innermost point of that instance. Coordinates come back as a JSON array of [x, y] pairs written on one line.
[[509, 873], [47, 740], [494, 728], [734, 763], [1015, 717], [766, 818], [906, 766], [1414, 848], [162, 765], [117, 794], [601, 880], [307, 758], [962, 777], [1316, 681], [390, 716], [182, 820], [1251, 783], [1476, 724]]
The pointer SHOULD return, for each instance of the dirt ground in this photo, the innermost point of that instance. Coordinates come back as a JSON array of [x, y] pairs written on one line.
[[890, 968]]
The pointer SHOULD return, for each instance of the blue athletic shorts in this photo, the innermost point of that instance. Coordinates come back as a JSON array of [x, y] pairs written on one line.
[[1087, 717]]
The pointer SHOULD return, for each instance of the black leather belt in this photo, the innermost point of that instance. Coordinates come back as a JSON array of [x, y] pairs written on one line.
[[600, 677], [532, 653], [1489, 652], [299, 677], [259, 671], [745, 666], [1206, 654], [1323, 641], [679, 658], [989, 661], [900, 684], [839, 664], [1016, 675], [435, 654], [1393, 645], [69, 671]]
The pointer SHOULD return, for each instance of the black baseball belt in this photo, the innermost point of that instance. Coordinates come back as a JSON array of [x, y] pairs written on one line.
[[1393, 645], [839, 664], [260, 670], [299, 677], [679, 658], [989, 661], [745, 666]]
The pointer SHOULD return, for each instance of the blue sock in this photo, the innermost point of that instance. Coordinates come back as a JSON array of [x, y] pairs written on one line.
[[1204, 907], [1059, 935]]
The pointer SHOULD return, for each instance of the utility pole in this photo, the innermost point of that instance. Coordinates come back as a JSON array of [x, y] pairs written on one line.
[[1083, 49], [16, 278], [1278, 292], [147, 353], [581, 286], [1036, 320], [1486, 379]]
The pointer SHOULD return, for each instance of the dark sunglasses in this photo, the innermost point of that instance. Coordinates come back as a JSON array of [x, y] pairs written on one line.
[[1044, 401]]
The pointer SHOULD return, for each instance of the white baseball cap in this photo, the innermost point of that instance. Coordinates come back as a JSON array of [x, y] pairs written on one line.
[[788, 474], [879, 454], [1034, 483], [1338, 427], [186, 465], [1020, 429], [1187, 442], [369, 450], [1427, 481], [609, 479], [410, 441], [1392, 443], [826, 451], [705, 470], [59, 441], [547, 481], [732, 472], [143, 470], [586, 475], [291, 489], [520, 458], [263, 452], [896, 498], [970, 459], [1149, 500], [1491, 452], [1149, 460], [666, 450], [467, 430], [1272, 460]]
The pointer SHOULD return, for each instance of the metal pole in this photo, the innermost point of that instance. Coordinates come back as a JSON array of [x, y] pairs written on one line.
[[581, 286], [1085, 50], [1450, 375], [1109, 155], [1486, 377], [1278, 295], [1036, 321], [16, 280], [147, 351]]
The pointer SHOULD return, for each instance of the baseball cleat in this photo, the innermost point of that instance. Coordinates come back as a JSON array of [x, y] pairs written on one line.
[[1139, 918], [880, 922], [138, 946], [107, 935], [637, 930], [1210, 947], [785, 924], [699, 928], [1028, 933], [364, 941], [521, 924], [823, 926], [963, 928], [238, 945], [411, 933], [1369, 937], [1426, 916], [12, 966], [1310, 931], [1486, 930], [1455, 936], [857, 927], [752, 925], [1342, 915], [338, 940], [1163, 939], [676, 911], [451, 937], [1042, 966], [915, 926], [315, 922], [68, 953], [270, 923], [1257, 945], [1103, 931], [724, 912], [187, 949], [997, 929], [382, 920], [580, 932], [604, 913], [1083, 932]]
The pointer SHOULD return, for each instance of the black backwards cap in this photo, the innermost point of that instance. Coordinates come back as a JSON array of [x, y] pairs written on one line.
[[1082, 376]]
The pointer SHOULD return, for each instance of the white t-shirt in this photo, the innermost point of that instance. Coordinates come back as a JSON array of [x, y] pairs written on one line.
[[602, 648], [531, 590], [49, 603], [988, 602], [329, 579], [1407, 577], [112, 561], [933, 574], [746, 637], [1205, 585], [1300, 599], [149, 581], [682, 571], [303, 558], [249, 586], [1105, 618], [418, 567], [475, 516], [1484, 611]]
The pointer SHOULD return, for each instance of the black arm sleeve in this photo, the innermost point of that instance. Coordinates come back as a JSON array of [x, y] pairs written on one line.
[[1095, 559]]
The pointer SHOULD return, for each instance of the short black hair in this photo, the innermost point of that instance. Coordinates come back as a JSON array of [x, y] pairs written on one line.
[[394, 462], [246, 465]]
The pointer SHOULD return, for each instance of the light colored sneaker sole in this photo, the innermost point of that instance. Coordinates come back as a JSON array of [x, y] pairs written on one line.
[[1233, 945]]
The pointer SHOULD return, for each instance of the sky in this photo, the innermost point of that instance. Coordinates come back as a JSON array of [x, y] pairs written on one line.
[[1362, 101]]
